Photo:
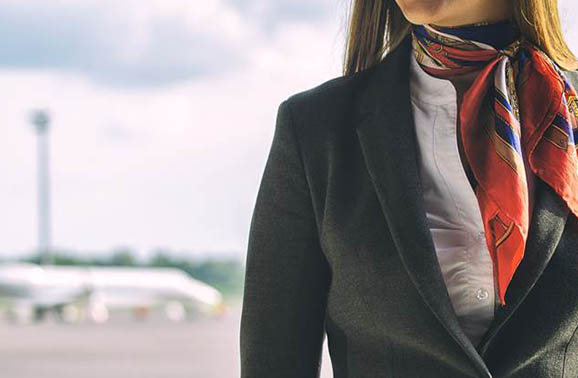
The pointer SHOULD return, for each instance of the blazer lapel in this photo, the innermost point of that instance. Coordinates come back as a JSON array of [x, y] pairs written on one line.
[[386, 134], [548, 220]]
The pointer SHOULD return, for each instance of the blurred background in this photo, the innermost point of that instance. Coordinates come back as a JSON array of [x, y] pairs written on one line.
[[122, 126]]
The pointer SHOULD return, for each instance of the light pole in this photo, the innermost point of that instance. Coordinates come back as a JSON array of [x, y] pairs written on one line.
[[41, 122]]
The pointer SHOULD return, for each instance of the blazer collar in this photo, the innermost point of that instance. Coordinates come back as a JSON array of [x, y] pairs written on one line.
[[385, 129]]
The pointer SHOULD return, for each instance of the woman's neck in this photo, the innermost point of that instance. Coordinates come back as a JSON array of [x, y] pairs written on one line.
[[487, 11]]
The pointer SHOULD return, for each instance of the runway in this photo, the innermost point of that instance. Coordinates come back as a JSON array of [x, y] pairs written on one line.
[[154, 348]]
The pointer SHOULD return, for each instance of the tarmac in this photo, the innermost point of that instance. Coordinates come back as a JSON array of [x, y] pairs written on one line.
[[150, 348]]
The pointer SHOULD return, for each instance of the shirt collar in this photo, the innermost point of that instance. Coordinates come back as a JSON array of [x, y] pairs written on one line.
[[429, 89]]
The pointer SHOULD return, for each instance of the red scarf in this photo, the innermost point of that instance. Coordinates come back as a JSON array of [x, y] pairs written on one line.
[[519, 103]]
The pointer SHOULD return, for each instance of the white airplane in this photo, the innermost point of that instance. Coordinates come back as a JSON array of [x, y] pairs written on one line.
[[28, 292]]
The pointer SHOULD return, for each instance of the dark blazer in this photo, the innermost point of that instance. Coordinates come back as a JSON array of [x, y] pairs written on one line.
[[339, 245]]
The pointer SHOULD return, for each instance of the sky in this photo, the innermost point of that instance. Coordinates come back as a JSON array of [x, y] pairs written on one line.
[[162, 114]]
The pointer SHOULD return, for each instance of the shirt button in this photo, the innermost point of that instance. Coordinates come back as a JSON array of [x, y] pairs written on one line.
[[481, 234], [481, 294]]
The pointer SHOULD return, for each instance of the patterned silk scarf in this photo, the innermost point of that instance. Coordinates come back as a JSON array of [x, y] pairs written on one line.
[[519, 103]]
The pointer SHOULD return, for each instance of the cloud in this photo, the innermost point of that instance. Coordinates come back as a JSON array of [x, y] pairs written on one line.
[[269, 14], [147, 42]]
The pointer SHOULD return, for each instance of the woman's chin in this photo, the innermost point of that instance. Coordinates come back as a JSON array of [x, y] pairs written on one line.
[[422, 11]]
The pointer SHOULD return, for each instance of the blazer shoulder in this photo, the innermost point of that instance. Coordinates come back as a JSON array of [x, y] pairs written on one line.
[[330, 97]]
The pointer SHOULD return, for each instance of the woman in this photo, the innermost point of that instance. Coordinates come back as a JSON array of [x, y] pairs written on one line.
[[421, 210]]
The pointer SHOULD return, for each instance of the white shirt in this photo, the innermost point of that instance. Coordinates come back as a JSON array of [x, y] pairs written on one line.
[[452, 208]]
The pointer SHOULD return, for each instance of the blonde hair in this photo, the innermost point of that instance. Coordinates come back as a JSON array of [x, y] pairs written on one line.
[[378, 26]]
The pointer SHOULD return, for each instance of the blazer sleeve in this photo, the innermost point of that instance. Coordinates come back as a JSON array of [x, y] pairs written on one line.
[[286, 275]]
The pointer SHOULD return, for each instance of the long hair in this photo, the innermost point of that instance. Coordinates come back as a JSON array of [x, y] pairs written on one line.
[[378, 26]]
